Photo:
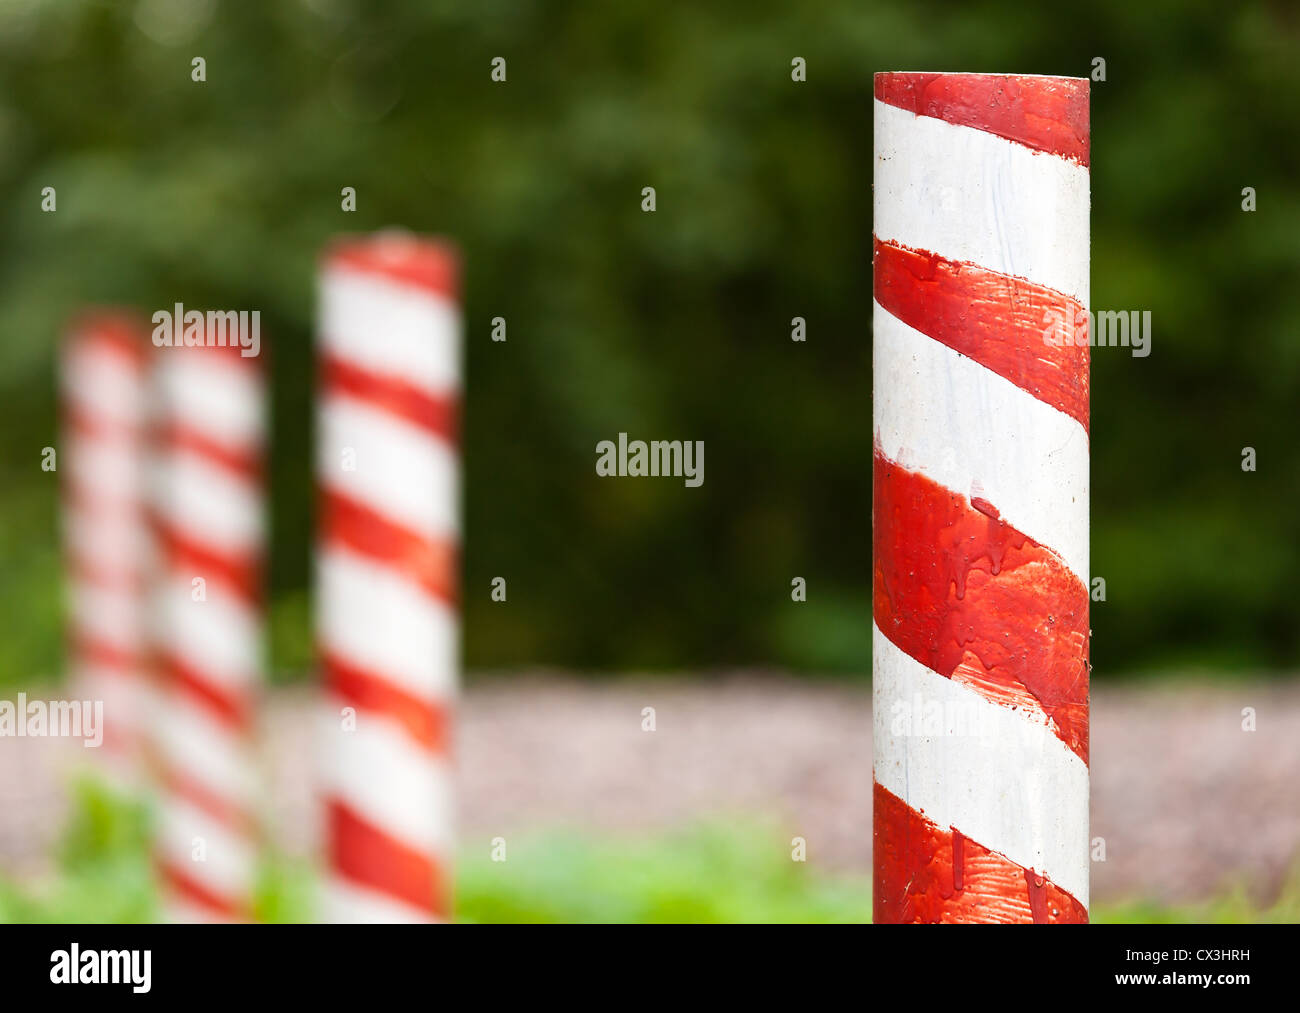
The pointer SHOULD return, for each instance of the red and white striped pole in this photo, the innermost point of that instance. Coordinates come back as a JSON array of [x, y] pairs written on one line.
[[206, 500], [102, 380], [980, 501], [387, 616]]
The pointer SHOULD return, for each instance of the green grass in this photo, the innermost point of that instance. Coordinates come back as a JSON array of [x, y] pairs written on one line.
[[711, 873], [708, 874]]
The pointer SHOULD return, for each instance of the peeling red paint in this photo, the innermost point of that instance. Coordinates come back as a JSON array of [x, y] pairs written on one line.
[[1048, 114], [975, 600], [924, 873], [1022, 331]]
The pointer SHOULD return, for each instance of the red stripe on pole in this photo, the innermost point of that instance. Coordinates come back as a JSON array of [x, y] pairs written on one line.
[[102, 506], [189, 558], [364, 854], [925, 873], [1044, 113], [435, 414], [402, 258], [105, 656], [187, 889], [231, 707], [244, 462], [114, 330], [1001, 322], [430, 564], [427, 723], [973, 599], [215, 805]]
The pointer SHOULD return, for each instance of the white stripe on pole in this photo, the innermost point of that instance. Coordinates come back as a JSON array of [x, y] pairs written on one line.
[[990, 771], [358, 597], [994, 440], [982, 199]]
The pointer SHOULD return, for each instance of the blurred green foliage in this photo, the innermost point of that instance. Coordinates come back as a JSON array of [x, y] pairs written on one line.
[[734, 872], [708, 874], [104, 874], [667, 325]]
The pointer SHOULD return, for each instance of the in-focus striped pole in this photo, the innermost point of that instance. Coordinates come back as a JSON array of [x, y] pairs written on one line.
[[206, 500], [980, 502], [103, 383], [387, 620]]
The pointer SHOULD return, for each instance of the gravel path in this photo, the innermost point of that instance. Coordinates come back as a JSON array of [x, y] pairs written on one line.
[[1185, 800]]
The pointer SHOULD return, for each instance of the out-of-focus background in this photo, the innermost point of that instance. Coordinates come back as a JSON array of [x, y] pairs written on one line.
[[676, 325]]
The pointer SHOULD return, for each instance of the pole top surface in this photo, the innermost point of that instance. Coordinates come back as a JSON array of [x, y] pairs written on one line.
[[963, 73], [426, 262], [124, 330]]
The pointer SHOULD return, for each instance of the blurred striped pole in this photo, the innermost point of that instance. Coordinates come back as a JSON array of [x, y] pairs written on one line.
[[388, 623], [102, 380], [206, 611], [980, 501]]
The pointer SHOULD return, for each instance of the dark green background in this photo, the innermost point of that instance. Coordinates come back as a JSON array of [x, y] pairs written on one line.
[[673, 324]]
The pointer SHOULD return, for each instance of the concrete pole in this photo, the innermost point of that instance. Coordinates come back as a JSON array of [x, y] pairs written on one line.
[[980, 498], [388, 621]]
